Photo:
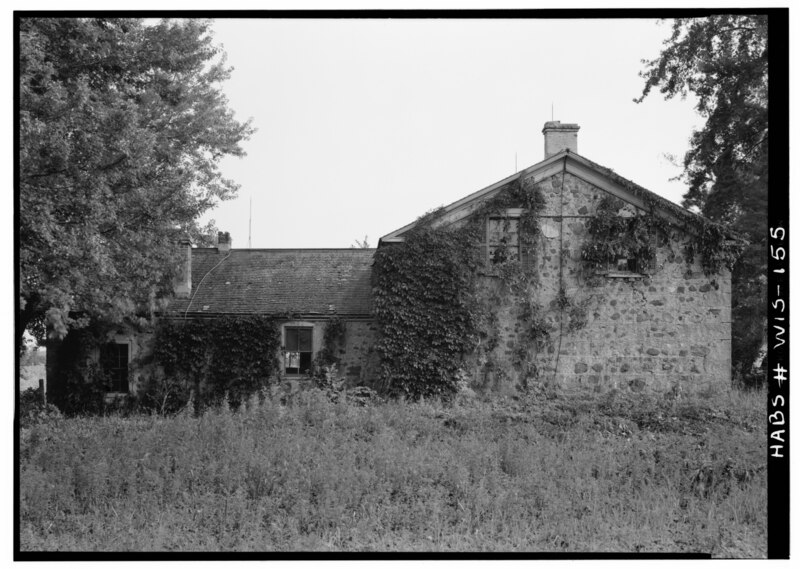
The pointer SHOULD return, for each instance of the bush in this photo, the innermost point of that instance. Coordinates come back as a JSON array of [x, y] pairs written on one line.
[[32, 409]]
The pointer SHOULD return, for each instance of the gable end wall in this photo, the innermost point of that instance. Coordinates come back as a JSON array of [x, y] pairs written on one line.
[[668, 331]]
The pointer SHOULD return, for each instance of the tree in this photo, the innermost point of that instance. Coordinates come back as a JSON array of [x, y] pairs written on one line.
[[722, 60], [122, 124]]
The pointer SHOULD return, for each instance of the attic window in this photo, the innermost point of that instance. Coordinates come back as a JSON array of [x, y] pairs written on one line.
[[502, 239], [623, 266], [298, 350]]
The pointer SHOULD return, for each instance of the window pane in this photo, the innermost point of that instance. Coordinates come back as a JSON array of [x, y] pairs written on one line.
[[305, 361], [503, 231], [291, 339], [624, 265], [503, 239], [122, 350], [292, 360], [304, 339], [495, 230]]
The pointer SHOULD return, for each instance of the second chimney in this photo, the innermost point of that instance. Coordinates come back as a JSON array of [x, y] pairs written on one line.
[[183, 279], [558, 137], [223, 241]]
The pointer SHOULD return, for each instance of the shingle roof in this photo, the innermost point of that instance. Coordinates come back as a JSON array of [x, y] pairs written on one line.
[[279, 281]]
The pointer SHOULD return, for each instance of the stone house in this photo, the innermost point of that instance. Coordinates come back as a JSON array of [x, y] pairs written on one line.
[[660, 323], [624, 325]]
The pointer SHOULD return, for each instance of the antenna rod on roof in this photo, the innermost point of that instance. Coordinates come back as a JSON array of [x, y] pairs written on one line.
[[250, 226]]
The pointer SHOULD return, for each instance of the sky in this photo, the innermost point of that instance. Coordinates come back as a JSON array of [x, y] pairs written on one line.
[[364, 125]]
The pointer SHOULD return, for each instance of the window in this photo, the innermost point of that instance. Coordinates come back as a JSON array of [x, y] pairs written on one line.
[[502, 239], [623, 266], [297, 350], [114, 362]]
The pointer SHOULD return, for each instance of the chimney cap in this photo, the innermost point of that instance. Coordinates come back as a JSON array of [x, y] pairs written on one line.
[[556, 125]]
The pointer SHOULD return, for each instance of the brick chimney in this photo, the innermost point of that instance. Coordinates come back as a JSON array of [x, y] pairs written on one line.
[[183, 280], [223, 242], [558, 137]]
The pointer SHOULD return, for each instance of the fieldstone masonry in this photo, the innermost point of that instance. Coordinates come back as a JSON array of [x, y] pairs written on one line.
[[668, 330]]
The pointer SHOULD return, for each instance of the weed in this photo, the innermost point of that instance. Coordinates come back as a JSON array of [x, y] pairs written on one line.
[[542, 473]]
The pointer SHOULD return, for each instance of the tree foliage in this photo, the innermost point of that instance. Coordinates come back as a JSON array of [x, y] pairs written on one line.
[[722, 60], [122, 124]]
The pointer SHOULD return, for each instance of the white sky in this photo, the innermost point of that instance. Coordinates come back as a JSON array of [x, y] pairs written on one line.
[[364, 125]]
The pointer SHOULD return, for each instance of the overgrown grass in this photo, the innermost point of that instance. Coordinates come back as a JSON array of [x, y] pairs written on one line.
[[567, 473]]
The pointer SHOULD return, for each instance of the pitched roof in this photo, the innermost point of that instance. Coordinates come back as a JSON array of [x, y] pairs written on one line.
[[279, 281], [575, 164]]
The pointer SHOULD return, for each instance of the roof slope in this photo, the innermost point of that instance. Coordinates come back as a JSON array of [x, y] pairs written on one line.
[[575, 164], [279, 281]]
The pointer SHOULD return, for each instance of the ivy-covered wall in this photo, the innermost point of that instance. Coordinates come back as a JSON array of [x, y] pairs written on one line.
[[358, 360], [558, 315], [667, 330], [445, 317], [209, 359]]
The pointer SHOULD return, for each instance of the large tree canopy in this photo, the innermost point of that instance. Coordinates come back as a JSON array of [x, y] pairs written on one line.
[[722, 60], [122, 125]]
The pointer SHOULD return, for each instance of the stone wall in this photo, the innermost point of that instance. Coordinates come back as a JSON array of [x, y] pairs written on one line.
[[358, 360], [355, 352], [669, 330]]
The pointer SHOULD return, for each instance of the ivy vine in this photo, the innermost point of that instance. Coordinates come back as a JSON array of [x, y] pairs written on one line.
[[434, 309], [231, 357], [613, 235], [718, 248], [80, 383], [332, 339], [429, 306], [638, 236], [426, 309]]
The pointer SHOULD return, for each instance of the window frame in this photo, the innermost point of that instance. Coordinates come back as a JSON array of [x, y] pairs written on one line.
[[114, 384], [613, 270], [510, 215], [286, 352]]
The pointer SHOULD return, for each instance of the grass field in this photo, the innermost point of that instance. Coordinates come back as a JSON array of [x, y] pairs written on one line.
[[565, 473]]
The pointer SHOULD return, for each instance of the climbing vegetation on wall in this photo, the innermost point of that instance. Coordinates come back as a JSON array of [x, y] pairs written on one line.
[[426, 309], [229, 357], [718, 250], [332, 339], [613, 236], [638, 235], [441, 294], [430, 308], [80, 382]]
